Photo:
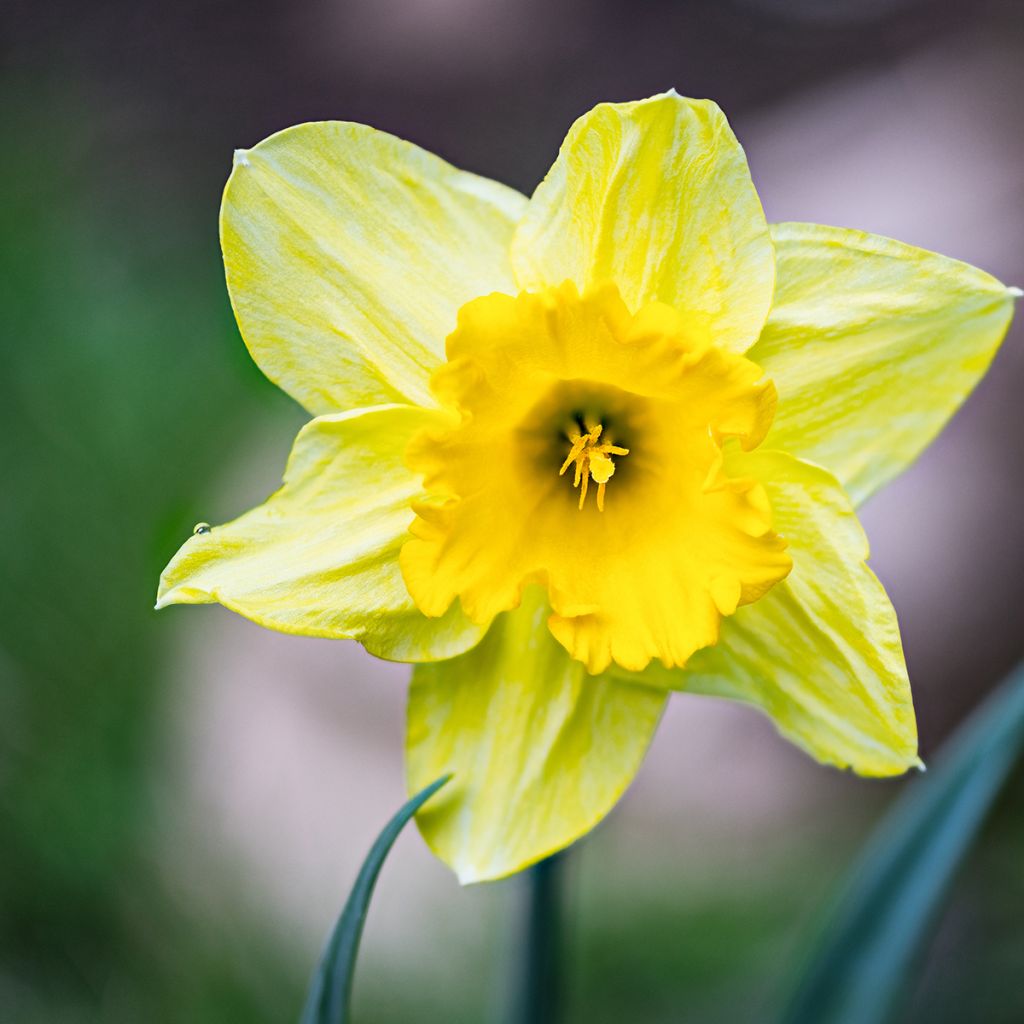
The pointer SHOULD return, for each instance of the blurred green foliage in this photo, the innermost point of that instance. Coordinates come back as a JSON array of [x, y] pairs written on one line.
[[119, 365], [896, 890]]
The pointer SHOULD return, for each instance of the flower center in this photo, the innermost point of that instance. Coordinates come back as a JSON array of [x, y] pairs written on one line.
[[541, 381], [593, 462]]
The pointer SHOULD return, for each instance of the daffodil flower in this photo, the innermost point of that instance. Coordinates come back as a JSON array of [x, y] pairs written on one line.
[[574, 452]]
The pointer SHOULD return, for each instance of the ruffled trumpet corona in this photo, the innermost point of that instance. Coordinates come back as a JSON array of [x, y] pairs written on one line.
[[572, 453]]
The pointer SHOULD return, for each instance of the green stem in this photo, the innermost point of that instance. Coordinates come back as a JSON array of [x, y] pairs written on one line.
[[537, 996]]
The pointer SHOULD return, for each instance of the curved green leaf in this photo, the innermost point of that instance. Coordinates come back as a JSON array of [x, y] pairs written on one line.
[[330, 992], [893, 893]]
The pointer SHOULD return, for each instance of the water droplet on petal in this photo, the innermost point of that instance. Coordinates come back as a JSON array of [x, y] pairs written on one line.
[[201, 528]]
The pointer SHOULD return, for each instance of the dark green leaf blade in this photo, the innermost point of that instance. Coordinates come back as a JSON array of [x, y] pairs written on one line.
[[330, 991], [896, 888]]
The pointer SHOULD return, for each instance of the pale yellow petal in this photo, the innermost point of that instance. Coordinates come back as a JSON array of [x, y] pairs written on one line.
[[348, 253], [320, 557], [820, 653], [872, 345], [539, 750], [656, 198]]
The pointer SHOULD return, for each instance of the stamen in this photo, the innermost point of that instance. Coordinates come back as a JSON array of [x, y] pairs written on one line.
[[578, 443], [592, 462]]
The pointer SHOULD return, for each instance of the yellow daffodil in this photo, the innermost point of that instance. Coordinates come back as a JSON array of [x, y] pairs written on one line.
[[573, 452]]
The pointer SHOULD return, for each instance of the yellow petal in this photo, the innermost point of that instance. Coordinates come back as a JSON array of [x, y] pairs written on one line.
[[320, 557], [820, 653], [644, 570], [348, 253], [872, 345], [656, 198], [539, 750]]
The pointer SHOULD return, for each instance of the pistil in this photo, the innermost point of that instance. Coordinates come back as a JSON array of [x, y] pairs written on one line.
[[593, 462]]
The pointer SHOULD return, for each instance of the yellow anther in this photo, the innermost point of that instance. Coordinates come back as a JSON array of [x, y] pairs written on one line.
[[592, 461], [601, 467]]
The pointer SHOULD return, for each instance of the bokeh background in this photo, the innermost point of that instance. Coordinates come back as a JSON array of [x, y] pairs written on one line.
[[184, 798]]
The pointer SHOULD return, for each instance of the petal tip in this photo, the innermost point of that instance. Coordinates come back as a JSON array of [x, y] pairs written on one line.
[[1014, 292], [240, 158], [468, 875], [166, 595]]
